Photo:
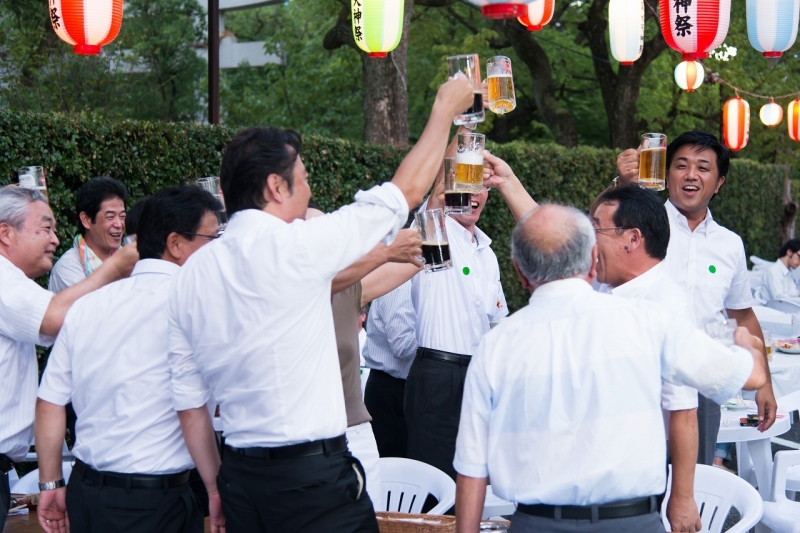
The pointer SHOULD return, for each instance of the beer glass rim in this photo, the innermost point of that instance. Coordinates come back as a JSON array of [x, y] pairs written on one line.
[[470, 134], [654, 135], [462, 56], [28, 169], [497, 59]]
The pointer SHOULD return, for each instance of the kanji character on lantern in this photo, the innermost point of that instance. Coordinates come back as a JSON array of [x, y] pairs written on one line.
[[377, 25], [694, 27], [87, 25]]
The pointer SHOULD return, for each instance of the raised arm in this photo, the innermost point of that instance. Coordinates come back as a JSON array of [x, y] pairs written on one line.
[[419, 168], [498, 174]]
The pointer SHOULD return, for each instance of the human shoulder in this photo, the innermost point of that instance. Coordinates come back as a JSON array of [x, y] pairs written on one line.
[[67, 271]]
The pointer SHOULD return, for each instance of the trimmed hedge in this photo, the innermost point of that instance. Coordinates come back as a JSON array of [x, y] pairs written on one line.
[[148, 156]]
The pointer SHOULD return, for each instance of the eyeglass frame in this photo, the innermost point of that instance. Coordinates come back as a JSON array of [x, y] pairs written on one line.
[[616, 228], [209, 237]]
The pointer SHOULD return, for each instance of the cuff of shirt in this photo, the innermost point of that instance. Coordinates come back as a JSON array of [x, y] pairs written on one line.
[[470, 469], [741, 365], [189, 393], [53, 397], [390, 196]]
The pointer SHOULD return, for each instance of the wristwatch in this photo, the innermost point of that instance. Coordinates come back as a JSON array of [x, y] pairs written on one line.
[[615, 182], [50, 485]]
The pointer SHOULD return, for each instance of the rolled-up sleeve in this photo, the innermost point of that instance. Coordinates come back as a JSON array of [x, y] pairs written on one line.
[[23, 305], [189, 389], [472, 444]]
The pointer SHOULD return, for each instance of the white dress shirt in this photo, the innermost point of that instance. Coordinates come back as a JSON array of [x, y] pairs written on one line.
[[23, 305], [391, 333], [709, 263], [561, 403], [655, 285], [455, 307], [111, 360], [251, 321], [67, 271], [778, 284]]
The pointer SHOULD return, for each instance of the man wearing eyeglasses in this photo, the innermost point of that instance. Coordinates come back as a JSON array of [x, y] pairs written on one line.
[[111, 361], [778, 283]]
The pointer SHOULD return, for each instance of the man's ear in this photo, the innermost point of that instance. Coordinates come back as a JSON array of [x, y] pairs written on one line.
[[275, 189], [720, 181], [174, 245], [593, 269], [635, 239], [7, 233], [86, 221], [525, 283]]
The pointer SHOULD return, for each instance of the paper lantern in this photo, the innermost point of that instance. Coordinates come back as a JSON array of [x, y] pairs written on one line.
[[689, 75], [503, 9], [626, 29], [772, 25], [736, 123], [694, 27], [537, 15], [771, 114], [377, 25], [87, 25], [793, 119]]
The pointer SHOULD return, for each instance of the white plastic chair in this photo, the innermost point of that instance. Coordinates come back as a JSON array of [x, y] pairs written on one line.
[[715, 492], [405, 484], [779, 323], [784, 306], [29, 483], [782, 515], [496, 506], [791, 403]]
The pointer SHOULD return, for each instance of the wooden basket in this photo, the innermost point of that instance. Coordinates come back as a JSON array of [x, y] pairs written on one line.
[[415, 523]]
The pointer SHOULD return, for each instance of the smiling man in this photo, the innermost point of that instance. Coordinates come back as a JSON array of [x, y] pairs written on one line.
[[101, 222], [704, 258]]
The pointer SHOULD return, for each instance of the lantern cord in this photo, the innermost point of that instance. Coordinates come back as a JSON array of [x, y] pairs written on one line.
[[715, 78], [540, 38]]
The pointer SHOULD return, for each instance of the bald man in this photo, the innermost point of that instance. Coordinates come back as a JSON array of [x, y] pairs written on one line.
[[570, 387]]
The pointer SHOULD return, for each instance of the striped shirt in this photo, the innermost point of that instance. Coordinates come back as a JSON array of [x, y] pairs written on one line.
[[391, 334], [23, 305]]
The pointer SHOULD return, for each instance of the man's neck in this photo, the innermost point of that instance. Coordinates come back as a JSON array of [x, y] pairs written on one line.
[[694, 218], [101, 252], [637, 268], [469, 227], [785, 261]]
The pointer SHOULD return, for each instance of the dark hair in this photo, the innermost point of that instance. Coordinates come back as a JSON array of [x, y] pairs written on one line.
[[643, 209], [132, 218], [701, 140], [792, 244], [250, 158], [93, 193], [171, 210]]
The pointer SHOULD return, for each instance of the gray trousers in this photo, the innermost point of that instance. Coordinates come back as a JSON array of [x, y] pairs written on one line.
[[525, 523], [5, 498], [708, 416]]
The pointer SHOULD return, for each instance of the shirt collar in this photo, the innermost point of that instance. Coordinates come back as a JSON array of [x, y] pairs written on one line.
[[642, 281], [783, 268], [457, 230], [561, 287], [248, 218], [705, 226], [155, 266]]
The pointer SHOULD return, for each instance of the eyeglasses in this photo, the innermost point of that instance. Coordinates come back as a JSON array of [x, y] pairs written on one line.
[[617, 228], [209, 237]]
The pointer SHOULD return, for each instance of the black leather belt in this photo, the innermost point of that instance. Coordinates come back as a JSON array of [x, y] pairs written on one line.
[[441, 355], [6, 464], [130, 481], [621, 509], [293, 450]]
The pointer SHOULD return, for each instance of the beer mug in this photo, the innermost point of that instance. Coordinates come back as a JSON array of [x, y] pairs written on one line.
[[435, 248], [468, 64], [211, 185], [455, 202], [653, 161], [469, 162], [722, 330], [33, 178], [501, 85]]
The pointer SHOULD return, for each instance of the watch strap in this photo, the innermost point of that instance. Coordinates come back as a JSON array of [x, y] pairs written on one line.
[[51, 485]]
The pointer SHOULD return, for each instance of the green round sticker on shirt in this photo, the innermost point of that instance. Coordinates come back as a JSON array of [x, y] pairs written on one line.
[[465, 270], [712, 269]]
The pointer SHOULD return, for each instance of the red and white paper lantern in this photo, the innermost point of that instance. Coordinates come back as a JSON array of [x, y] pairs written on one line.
[[736, 123], [537, 15], [502, 9], [771, 114], [694, 27], [793, 119], [87, 25], [689, 75]]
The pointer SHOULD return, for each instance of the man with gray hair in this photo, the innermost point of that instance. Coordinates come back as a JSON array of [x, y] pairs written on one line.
[[31, 315], [555, 391]]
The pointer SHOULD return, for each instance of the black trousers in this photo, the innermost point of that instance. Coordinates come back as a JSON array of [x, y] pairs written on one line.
[[383, 397], [5, 498], [708, 416], [434, 390], [303, 494], [93, 507]]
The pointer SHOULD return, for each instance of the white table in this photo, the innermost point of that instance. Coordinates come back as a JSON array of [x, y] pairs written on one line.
[[785, 371]]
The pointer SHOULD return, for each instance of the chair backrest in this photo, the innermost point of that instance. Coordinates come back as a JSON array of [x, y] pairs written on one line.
[[405, 484], [783, 306], [715, 492], [783, 460], [29, 483], [790, 402]]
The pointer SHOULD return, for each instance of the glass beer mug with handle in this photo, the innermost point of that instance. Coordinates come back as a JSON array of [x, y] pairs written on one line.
[[653, 161], [469, 65], [469, 162], [455, 202], [435, 247], [33, 178], [501, 85]]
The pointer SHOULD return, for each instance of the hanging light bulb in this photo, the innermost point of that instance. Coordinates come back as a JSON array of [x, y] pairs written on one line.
[[793, 119], [377, 25], [771, 114], [736, 123], [689, 75]]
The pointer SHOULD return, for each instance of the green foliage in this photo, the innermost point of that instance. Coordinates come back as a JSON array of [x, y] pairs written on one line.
[[148, 156]]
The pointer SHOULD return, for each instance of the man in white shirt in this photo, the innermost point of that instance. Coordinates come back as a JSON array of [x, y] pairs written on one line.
[[632, 237], [454, 309], [111, 361], [704, 258], [251, 324], [100, 204], [562, 403], [778, 283], [31, 315]]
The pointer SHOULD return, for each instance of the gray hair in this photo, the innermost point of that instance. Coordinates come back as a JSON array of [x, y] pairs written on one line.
[[553, 251], [14, 203]]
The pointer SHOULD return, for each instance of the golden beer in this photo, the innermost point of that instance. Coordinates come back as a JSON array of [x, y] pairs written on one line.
[[469, 172], [501, 94], [653, 168]]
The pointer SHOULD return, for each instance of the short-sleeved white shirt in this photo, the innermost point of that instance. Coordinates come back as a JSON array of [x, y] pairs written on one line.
[[23, 305], [67, 271]]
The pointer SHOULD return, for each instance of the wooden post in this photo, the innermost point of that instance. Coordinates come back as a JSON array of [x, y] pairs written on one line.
[[213, 61]]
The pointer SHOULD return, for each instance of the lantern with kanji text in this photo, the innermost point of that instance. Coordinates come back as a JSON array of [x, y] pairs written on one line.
[[537, 15], [694, 27], [736, 123], [87, 25], [377, 25], [626, 29]]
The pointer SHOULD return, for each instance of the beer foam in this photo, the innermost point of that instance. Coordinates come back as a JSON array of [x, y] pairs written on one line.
[[469, 158], [500, 76]]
